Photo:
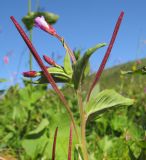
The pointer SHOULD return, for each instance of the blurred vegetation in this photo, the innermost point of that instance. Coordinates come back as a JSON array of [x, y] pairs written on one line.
[[29, 116]]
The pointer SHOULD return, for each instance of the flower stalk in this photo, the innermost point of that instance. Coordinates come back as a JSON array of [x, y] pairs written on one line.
[[41, 23]]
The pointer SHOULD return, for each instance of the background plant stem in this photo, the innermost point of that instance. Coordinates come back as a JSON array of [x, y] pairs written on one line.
[[30, 37], [83, 123]]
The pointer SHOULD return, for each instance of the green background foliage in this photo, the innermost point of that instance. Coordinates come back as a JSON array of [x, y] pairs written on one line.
[[30, 115]]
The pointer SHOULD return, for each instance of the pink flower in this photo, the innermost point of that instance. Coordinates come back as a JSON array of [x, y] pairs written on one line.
[[30, 74], [6, 59], [42, 24]]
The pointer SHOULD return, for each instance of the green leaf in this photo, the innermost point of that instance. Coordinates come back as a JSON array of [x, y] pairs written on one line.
[[35, 147], [58, 74], [105, 100], [67, 65], [81, 64], [62, 121], [39, 130]]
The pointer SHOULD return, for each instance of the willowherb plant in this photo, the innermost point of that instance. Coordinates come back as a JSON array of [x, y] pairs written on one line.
[[73, 72]]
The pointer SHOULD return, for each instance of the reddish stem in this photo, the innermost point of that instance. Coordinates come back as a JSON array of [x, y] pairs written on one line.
[[101, 68], [65, 45], [70, 143], [44, 69], [54, 144]]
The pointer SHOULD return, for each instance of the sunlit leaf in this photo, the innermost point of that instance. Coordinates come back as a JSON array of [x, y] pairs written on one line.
[[58, 73], [79, 67], [105, 100], [68, 64]]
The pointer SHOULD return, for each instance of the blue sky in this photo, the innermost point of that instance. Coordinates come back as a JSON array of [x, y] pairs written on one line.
[[83, 23]]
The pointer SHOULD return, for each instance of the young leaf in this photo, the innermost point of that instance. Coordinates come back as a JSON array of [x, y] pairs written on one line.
[[58, 75], [105, 100], [57, 79], [67, 64], [81, 64]]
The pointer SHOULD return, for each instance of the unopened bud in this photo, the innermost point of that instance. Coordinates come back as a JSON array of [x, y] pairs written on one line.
[[49, 60], [30, 74], [42, 24]]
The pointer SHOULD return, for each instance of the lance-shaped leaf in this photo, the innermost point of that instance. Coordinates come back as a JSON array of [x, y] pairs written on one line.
[[81, 64], [28, 20], [58, 74], [141, 71], [57, 79], [68, 65], [103, 101]]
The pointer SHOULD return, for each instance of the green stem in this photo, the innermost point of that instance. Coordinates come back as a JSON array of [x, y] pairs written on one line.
[[30, 55], [29, 6], [30, 37], [83, 124]]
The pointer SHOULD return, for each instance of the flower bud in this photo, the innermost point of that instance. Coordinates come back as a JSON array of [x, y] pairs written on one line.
[[49, 60], [30, 74], [41, 23]]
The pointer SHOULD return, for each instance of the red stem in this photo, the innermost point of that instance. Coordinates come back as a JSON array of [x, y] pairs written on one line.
[[54, 144], [44, 69], [101, 68], [70, 143]]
